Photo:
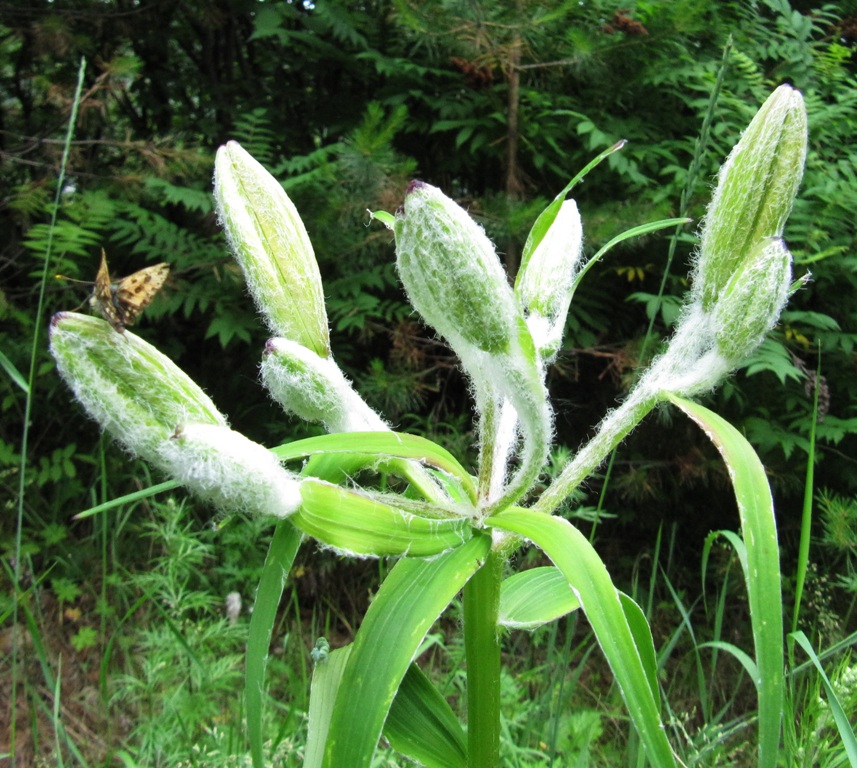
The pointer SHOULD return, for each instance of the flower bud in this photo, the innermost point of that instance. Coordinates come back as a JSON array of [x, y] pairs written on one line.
[[451, 272], [271, 244], [230, 471], [544, 285], [751, 303], [756, 187], [136, 393], [315, 389]]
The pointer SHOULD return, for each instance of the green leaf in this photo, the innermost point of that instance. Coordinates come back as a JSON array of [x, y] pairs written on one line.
[[761, 569], [326, 678], [422, 726], [369, 446], [744, 659], [585, 572], [643, 229], [846, 732], [359, 524], [535, 597], [547, 216], [14, 374], [169, 485], [642, 633], [387, 219], [281, 555], [774, 357], [409, 601]]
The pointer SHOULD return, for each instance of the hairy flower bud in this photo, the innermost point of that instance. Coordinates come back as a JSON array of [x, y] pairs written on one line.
[[751, 303], [544, 285], [451, 272], [230, 471], [743, 270], [136, 393], [315, 389], [271, 244], [755, 191]]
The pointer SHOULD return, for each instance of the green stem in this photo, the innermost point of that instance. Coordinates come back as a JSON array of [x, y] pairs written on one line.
[[612, 430], [482, 651], [488, 423], [806, 517], [526, 392]]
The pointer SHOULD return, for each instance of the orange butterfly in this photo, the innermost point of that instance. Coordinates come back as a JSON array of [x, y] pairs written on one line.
[[122, 301]]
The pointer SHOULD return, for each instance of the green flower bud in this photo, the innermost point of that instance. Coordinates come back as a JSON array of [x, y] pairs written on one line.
[[136, 393], [751, 303], [756, 187], [707, 345], [544, 285], [230, 471], [271, 244], [451, 272], [315, 389]]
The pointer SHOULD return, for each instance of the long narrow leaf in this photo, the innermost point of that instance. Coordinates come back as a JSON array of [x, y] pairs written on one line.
[[744, 659], [549, 214], [535, 597], [281, 555], [644, 641], [326, 678], [422, 725], [409, 601], [846, 731], [762, 569], [13, 373], [360, 524], [643, 229], [585, 572], [374, 444], [128, 498]]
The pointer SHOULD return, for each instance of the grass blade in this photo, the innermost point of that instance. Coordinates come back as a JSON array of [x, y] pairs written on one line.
[[845, 730], [761, 568], [281, 555]]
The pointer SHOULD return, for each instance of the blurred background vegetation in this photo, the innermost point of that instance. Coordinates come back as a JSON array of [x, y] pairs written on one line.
[[499, 104]]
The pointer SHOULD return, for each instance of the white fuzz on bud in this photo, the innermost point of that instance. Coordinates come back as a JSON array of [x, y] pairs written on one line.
[[132, 390], [229, 470], [451, 272], [271, 244], [315, 389], [751, 303], [544, 285], [755, 190], [743, 271]]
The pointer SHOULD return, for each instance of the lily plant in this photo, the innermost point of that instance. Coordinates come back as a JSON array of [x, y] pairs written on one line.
[[453, 529]]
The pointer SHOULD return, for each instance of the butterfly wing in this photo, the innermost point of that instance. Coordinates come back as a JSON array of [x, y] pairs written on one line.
[[102, 296], [132, 294]]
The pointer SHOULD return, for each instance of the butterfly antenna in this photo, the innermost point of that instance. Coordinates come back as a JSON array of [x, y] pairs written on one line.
[[73, 279]]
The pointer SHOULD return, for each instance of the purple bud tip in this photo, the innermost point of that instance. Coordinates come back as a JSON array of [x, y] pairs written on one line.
[[270, 346], [412, 187], [55, 320]]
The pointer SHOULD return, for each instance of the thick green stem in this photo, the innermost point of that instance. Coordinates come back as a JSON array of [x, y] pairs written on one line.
[[525, 391], [612, 430], [488, 422], [482, 649]]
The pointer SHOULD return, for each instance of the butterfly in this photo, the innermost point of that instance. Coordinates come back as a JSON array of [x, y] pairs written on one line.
[[120, 302]]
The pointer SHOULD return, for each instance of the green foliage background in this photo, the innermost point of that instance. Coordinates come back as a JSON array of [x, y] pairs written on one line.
[[345, 104], [497, 103]]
